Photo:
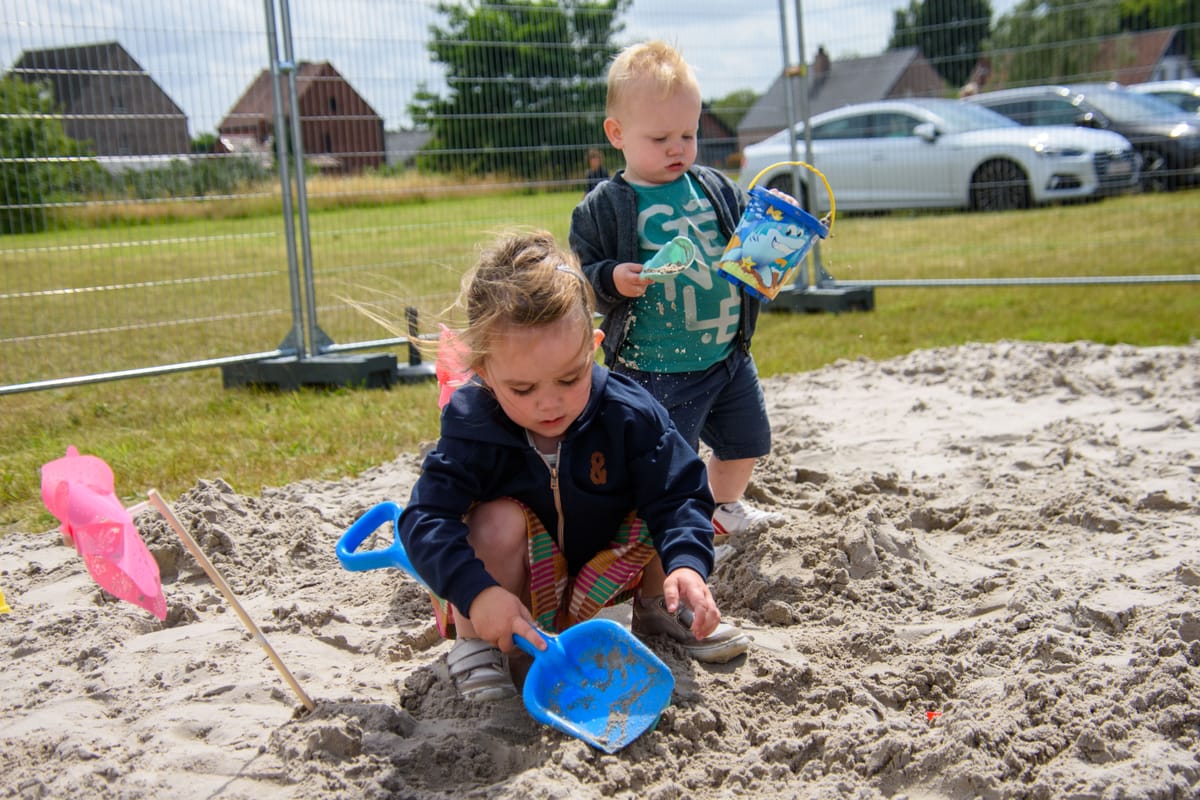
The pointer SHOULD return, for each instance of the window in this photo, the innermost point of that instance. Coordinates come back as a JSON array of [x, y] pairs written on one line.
[[1019, 110], [894, 125], [856, 127], [1052, 112], [1188, 102]]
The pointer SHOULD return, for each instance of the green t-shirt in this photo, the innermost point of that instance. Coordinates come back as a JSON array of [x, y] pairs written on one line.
[[688, 322]]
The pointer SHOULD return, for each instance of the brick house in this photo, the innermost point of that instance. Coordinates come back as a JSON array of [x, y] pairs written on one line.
[[107, 100], [716, 141], [339, 130]]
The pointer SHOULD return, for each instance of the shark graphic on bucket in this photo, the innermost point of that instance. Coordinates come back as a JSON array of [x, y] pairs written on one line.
[[769, 245], [771, 241]]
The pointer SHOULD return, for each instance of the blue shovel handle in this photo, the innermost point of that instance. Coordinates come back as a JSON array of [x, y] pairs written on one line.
[[553, 653], [391, 556]]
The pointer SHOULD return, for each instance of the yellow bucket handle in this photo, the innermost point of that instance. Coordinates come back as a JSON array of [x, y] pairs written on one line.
[[810, 168]]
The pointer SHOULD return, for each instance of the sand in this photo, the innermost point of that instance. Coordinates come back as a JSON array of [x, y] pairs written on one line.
[[987, 586]]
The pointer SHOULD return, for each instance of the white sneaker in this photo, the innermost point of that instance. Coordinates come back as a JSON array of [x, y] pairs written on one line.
[[732, 519], [722, 552]]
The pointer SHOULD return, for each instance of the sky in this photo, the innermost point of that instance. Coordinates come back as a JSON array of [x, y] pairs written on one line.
[[205, 54]]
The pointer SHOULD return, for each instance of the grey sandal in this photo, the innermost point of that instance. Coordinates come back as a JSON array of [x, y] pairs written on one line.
[[479, 671]]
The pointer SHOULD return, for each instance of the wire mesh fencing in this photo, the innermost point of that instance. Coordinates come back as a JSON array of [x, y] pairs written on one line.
[[186, 185]]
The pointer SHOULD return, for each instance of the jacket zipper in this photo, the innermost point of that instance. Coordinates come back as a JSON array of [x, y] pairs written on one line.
[[562, 545]]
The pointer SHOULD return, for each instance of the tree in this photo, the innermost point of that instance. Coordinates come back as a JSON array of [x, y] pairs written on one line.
[[949, 33], [1047, 41], [1145, 15], [205, 143], [732, 107], [37, 159], [526, 85]]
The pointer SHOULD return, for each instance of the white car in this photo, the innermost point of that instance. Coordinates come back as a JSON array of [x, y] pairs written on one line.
[[1184, 94], [941, 153]]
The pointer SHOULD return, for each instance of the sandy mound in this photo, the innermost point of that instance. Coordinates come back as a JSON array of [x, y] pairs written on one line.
[[987, 587]]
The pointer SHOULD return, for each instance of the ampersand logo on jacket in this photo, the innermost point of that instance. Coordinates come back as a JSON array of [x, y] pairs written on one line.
[[599, 473]]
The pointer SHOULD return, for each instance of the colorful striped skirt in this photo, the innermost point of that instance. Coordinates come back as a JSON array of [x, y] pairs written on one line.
[[559, 600]]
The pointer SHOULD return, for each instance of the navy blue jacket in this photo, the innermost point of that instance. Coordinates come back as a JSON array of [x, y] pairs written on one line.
[[622, 453], [604, 233]]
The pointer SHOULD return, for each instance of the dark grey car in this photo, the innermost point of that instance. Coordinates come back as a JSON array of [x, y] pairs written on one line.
[[1167, 139]]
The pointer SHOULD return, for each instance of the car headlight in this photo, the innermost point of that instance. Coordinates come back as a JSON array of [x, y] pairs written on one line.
[[1187, 136], [1048, 150]]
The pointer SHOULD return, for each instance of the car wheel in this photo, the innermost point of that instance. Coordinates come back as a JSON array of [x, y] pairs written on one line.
[[783, 183], [1156, 175], [999, 186]]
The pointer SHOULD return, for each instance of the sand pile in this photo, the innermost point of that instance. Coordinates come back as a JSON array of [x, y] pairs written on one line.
[[988, 586]]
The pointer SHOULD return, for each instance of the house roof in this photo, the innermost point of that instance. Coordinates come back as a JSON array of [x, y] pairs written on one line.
[[1132, 57], [712, 126], [256, 103], [1124, 57], [70, 70], [851, 80]]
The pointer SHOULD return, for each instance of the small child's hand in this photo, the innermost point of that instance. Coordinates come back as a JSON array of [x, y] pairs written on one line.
[[687, 587], [785, 197], [497, 614], [628, 279]]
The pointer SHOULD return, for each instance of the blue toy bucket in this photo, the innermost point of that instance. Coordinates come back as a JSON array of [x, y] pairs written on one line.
[[772, 240]]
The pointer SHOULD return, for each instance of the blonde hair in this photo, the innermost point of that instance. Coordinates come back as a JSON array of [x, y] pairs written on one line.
[[655, 63], [523, 280]]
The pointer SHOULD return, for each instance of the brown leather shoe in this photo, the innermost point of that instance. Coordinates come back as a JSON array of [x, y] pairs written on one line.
[[650, 617]]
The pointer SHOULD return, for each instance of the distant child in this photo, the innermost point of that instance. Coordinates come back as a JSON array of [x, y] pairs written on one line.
[[687, 338], [557, 487], [596, 172]]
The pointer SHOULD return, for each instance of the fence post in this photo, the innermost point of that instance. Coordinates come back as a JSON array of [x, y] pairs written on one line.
[[317, 362], [318, 341], [295, 337], [817, 291]]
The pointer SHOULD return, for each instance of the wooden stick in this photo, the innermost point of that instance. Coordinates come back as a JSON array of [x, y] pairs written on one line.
[[194, 549]]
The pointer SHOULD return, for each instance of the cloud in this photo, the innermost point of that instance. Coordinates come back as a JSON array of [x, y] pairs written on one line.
[[204, 55]]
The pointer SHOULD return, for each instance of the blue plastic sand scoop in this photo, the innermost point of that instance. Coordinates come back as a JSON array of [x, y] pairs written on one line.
[[595, 681], [391, 556]]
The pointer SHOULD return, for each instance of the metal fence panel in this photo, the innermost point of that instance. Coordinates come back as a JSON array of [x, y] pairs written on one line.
[[162, 239]]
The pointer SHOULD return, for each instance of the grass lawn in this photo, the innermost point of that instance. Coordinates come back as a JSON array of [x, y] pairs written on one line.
[[167, 432]]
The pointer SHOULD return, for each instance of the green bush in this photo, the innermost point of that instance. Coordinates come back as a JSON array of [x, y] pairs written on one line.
[[37, 159], [206, 175]]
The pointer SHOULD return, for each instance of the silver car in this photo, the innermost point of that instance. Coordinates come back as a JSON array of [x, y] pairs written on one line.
[[940, 153], [1182, 93], [1167, 139]]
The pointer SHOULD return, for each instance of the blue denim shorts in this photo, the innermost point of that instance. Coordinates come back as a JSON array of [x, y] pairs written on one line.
[[722, 406]]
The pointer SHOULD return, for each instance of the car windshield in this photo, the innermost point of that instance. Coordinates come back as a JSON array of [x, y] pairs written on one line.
[[1129, 106], [960, 117]]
